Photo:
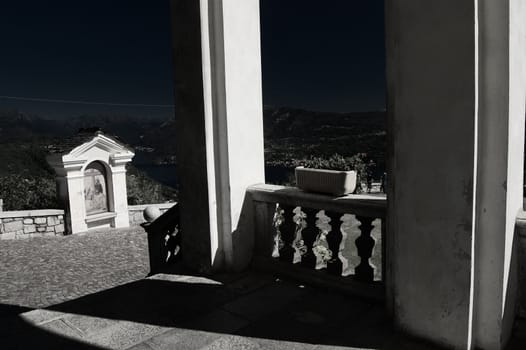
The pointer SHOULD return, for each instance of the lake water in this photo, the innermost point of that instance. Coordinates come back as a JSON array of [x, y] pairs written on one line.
[[165, 174]]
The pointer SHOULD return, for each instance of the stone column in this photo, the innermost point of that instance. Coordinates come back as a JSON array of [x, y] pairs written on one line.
[[500, 170], [217, 70], [62, 195], [455, 77], [77, 209], [118, 196]]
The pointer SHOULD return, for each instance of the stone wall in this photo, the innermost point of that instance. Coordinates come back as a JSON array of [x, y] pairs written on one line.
[[50, 222], [31, 223], [135, 211]]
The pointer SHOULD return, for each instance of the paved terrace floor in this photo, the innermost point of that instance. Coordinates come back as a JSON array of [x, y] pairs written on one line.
[[89, 292]]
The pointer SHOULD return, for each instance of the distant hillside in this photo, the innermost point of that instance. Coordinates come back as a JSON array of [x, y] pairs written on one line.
[[289, 133], [294, 133], [18, 127], [143, 133]]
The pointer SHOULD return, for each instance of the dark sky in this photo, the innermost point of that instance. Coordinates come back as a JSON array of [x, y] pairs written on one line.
[[320, 55], [325, 55]]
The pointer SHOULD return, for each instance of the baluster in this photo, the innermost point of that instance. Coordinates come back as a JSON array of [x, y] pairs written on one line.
[[309, 235], [334, 240], [172, 245], [266, 234], [365, 244], [288, 234], [275, 210]]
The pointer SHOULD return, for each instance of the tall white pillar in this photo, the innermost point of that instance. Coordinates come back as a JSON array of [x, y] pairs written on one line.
[[118, 197], [455, 72], [76, 212], [219, 127]]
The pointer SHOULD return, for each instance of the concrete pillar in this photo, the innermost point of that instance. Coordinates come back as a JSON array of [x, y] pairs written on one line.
[[502, 92], [77, 209], [62, 195], [219, 127], [119, 199], [455, 77]]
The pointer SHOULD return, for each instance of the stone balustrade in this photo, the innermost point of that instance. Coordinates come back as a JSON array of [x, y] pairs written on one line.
[[31, 223], [320, 238]]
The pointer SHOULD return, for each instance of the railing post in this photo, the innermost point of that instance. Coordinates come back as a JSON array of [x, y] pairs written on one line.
[[288, 234], [309, 235], [365, 244], [387, 248], [334, 240], [383, 238], [164, 239]]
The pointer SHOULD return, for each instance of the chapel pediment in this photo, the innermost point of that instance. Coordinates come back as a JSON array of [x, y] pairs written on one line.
[[98, 141]]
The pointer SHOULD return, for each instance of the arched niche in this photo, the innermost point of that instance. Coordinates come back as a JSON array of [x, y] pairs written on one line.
[[96, 198]]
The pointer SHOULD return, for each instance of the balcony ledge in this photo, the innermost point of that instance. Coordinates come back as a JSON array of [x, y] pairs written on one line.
[[101, 216], [359, 204]]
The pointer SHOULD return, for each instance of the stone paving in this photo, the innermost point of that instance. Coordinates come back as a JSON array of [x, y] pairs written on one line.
[[251, 311], [43, 271], [88, 292]]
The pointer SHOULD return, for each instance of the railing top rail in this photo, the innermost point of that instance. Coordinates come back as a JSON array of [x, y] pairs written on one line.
[[28, 213], [370, 205]]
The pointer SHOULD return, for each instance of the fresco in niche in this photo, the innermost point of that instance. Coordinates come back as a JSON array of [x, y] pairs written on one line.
[[95, 194]]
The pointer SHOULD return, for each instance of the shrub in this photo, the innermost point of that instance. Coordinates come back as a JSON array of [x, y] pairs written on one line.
[[24, 192], [358, 162], [143, 190]]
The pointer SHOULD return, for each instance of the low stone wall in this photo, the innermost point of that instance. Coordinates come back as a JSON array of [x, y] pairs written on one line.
[[135, 211], [31, 223]]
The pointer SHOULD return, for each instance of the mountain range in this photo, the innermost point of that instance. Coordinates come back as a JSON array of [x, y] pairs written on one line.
[[289, 133]]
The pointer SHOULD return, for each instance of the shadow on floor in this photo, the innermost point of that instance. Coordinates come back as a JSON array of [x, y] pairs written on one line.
[[252, 306]]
